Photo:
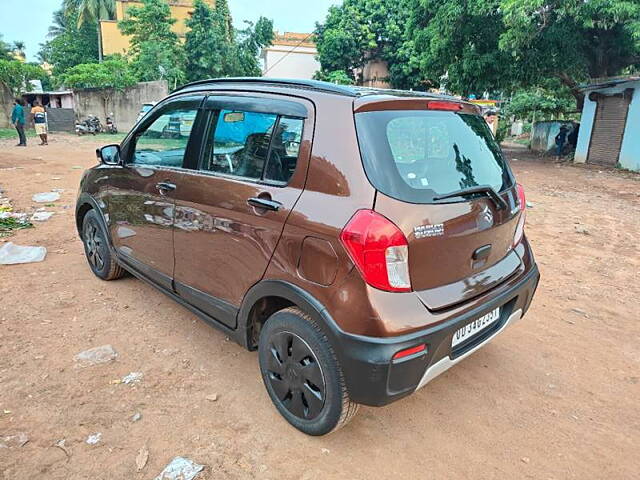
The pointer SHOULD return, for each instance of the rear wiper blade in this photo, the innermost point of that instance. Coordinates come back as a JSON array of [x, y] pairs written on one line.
[[486, 189]]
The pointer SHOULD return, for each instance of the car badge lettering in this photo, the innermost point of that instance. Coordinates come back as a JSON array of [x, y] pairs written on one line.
[[422, 231]]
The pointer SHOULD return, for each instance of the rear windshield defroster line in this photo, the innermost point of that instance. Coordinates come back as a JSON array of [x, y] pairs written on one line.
[[414, 155]]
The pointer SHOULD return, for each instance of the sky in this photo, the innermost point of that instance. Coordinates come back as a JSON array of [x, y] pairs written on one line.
[[29, 20]]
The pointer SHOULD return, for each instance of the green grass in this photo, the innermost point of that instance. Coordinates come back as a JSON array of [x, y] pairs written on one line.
[[106, 138], [12, 133]]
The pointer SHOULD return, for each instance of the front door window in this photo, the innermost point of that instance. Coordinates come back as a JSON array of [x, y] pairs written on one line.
[[164, 142]]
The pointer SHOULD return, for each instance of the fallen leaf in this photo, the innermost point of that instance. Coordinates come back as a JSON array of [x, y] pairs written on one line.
[[142, 458]]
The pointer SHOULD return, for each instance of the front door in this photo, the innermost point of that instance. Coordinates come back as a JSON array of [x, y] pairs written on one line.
[[231, 211], [141, 202]]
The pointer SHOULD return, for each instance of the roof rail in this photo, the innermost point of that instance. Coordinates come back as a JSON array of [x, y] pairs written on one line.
[[308, 84]]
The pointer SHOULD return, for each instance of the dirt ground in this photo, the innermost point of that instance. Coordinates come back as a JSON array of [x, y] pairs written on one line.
[[555, 397]]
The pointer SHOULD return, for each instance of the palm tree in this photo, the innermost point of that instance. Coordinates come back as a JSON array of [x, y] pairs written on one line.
[[93, 11], [19, 49], [60, 24]]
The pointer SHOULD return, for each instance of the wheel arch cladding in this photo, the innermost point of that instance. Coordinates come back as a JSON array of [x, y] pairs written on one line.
[[81, 212], [269, 296]]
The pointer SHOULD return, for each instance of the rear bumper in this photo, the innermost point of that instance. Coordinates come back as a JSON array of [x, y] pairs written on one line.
[[374, 379]]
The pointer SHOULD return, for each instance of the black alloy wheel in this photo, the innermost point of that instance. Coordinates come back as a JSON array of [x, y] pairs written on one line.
[[295, 375], [96, 248], [302, 374], [95, 245]]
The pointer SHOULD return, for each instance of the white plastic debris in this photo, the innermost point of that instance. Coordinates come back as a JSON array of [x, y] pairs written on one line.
[[17, 440], [41, 216], [95, 356], [133, 377], [93, 438], [46, 197], [20, 217], [180, 468], [11, 254]]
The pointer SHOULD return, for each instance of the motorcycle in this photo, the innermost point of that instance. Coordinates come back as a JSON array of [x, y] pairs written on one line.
[[90, 125], [110, 125]]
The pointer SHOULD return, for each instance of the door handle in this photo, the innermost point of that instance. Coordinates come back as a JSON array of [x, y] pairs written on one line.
[[264, 203], [165, 187]]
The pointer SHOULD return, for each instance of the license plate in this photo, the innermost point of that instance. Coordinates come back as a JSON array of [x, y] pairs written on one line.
[[475, 327]]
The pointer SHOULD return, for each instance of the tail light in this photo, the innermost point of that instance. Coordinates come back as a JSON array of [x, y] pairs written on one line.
[[522, 203], [379, 250]]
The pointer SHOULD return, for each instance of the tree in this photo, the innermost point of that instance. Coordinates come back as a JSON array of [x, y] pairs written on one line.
[[70, 45], [358, 31], [458, 40], [5, 51], [207, 48], [250, 41], [541, 102], [91, 12], [214, 49], [336, 76], [19, 48], [114, 74], [571, 40], [156, 51], [16, 75]]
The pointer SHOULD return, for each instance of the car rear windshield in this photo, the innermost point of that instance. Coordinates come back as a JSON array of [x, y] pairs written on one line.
[[416, 155]]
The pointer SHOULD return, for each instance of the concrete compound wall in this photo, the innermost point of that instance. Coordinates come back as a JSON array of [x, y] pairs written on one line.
[[125, 104]]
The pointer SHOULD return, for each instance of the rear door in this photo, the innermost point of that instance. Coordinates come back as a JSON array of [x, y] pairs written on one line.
[[231, 210], [458, 247]]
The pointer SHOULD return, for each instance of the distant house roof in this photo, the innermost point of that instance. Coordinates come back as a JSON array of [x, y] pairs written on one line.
[[608, 82], [294, 39]]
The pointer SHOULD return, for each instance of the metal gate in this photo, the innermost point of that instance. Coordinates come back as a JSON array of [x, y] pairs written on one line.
[[608, 128]]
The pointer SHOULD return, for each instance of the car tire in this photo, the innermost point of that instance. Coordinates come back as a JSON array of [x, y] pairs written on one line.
[[302, 375], [96, 249]]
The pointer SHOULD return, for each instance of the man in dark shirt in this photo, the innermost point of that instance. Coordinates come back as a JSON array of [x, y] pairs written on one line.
[[17, 118]]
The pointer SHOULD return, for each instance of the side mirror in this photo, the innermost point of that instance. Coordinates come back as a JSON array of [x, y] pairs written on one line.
[[109, 154]]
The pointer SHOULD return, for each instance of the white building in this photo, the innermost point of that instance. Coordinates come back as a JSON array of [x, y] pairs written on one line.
[[610, 124], [292, 55]]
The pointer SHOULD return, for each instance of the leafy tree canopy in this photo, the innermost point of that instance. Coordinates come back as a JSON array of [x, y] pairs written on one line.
[[214, 49], [16, 75], [70, 45], [336, 76], [114, 73], [5, 51], [250, 40], [91, 11], [155, 48], [357, 31], [572, 40], [484, 45]]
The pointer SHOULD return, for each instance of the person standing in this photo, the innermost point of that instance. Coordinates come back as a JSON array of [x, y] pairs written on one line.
[[40, 122], [17, 118], [560, 140]]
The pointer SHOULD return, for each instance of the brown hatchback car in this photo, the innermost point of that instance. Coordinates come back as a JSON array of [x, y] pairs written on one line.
[[363, 241]]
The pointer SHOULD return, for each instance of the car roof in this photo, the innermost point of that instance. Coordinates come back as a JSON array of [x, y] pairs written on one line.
[[309, 85]]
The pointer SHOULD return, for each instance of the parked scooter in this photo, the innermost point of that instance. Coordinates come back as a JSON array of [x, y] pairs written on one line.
[[110, 125], [90, 125]]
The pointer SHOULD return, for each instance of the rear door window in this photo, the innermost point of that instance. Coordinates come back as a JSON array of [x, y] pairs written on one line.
[[415, 155], [253, 145]]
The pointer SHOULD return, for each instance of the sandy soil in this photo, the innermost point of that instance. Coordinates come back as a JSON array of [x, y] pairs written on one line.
[[557, 396]]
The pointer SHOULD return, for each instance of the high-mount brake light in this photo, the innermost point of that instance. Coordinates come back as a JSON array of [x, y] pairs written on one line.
[[522, 204], [440, 105], [379, 250]]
